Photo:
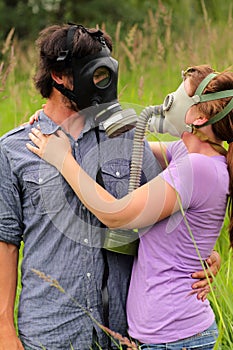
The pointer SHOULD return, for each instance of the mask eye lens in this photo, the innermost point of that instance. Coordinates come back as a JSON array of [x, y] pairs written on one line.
[[168, 102], [101, 77]]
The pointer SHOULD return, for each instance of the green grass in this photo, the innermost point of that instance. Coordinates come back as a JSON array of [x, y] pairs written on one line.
[[151, 60]]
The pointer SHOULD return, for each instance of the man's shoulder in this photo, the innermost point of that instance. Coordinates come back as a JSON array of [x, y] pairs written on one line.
[[14, 133]]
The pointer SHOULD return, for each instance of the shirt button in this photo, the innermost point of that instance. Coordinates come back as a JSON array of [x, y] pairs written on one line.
[[86, 240], [118, 173], [40, 180], [88, 274]]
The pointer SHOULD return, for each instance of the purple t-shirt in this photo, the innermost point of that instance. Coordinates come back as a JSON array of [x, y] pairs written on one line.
[[159, 306]]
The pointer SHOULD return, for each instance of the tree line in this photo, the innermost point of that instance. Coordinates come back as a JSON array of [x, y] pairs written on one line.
[[28, 17]]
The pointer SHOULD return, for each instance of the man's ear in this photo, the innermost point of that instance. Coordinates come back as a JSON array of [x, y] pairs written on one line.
[[57, 77], [200, 121]]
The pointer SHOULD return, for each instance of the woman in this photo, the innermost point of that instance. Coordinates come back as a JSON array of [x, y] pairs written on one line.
[[181, 212]]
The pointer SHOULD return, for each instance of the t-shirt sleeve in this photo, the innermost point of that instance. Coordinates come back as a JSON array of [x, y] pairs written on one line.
[[179, 174], [10, 204]]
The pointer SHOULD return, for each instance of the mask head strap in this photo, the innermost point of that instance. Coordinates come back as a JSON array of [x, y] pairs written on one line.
[[67, 54], [204, 83], [214, 96], [218, 116]]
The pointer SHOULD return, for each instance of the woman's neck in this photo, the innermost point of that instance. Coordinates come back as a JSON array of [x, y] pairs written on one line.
[[199, 142]]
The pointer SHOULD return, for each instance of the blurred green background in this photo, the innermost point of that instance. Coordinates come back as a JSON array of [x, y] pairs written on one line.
[[153, 41]]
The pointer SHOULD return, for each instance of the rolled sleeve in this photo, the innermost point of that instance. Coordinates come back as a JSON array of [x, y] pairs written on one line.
[[10, 206]]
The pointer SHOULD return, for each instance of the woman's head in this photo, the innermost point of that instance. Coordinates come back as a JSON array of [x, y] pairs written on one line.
[[207, 110], [203, 98], [222, 129]]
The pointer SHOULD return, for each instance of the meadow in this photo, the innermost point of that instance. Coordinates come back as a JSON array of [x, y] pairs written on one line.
[[150, 59]]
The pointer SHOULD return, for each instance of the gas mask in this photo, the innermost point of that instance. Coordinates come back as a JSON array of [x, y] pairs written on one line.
[[170, 116], [94, 91]]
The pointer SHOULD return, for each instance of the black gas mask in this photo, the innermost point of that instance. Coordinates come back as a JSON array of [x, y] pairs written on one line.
[[95, 80]]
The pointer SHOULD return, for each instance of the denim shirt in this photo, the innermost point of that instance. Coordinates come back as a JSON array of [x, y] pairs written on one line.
[[62, 239]]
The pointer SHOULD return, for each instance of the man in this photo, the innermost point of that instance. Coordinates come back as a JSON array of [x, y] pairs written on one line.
[[65, 269]]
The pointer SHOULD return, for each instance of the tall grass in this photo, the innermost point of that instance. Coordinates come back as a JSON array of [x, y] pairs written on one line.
[[151, 58], [18, 97]]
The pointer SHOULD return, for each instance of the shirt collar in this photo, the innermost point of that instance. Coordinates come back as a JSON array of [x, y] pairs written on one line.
[[47, 126]]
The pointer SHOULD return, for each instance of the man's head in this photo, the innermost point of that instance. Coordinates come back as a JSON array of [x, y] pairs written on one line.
[[77, 62]]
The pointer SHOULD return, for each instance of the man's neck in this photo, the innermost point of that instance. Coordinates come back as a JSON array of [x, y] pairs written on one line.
[[68, 119]]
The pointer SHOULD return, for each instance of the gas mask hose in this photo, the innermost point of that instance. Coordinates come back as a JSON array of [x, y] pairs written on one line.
[[137, 152], [126, 241]]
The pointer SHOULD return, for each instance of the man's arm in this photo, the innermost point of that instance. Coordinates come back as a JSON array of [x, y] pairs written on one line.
[[8, 284], [201, 287], [159, 151]]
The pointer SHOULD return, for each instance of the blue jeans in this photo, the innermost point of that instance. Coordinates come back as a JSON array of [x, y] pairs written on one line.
[[200, 341]]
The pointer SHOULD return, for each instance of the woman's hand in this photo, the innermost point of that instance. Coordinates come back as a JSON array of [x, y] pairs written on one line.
[[35, 116], [52, 148], [202, 288]]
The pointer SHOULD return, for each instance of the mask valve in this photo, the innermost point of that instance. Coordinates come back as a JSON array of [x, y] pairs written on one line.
[[168, 102]]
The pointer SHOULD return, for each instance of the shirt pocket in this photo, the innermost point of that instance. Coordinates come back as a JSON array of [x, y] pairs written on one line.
[[116, 178], [43, 191]]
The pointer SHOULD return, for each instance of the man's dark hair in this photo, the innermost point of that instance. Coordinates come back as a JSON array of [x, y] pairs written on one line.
[[52, 41]]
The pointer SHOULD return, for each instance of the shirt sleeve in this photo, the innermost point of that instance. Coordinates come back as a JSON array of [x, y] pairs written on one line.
[[10, 205], [150, 166]]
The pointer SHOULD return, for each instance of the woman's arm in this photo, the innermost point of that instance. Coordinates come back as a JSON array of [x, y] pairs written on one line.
[[143, 207]]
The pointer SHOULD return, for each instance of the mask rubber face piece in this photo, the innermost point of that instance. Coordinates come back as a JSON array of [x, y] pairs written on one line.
[[97, 75], [95, 79], [175, 107]]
